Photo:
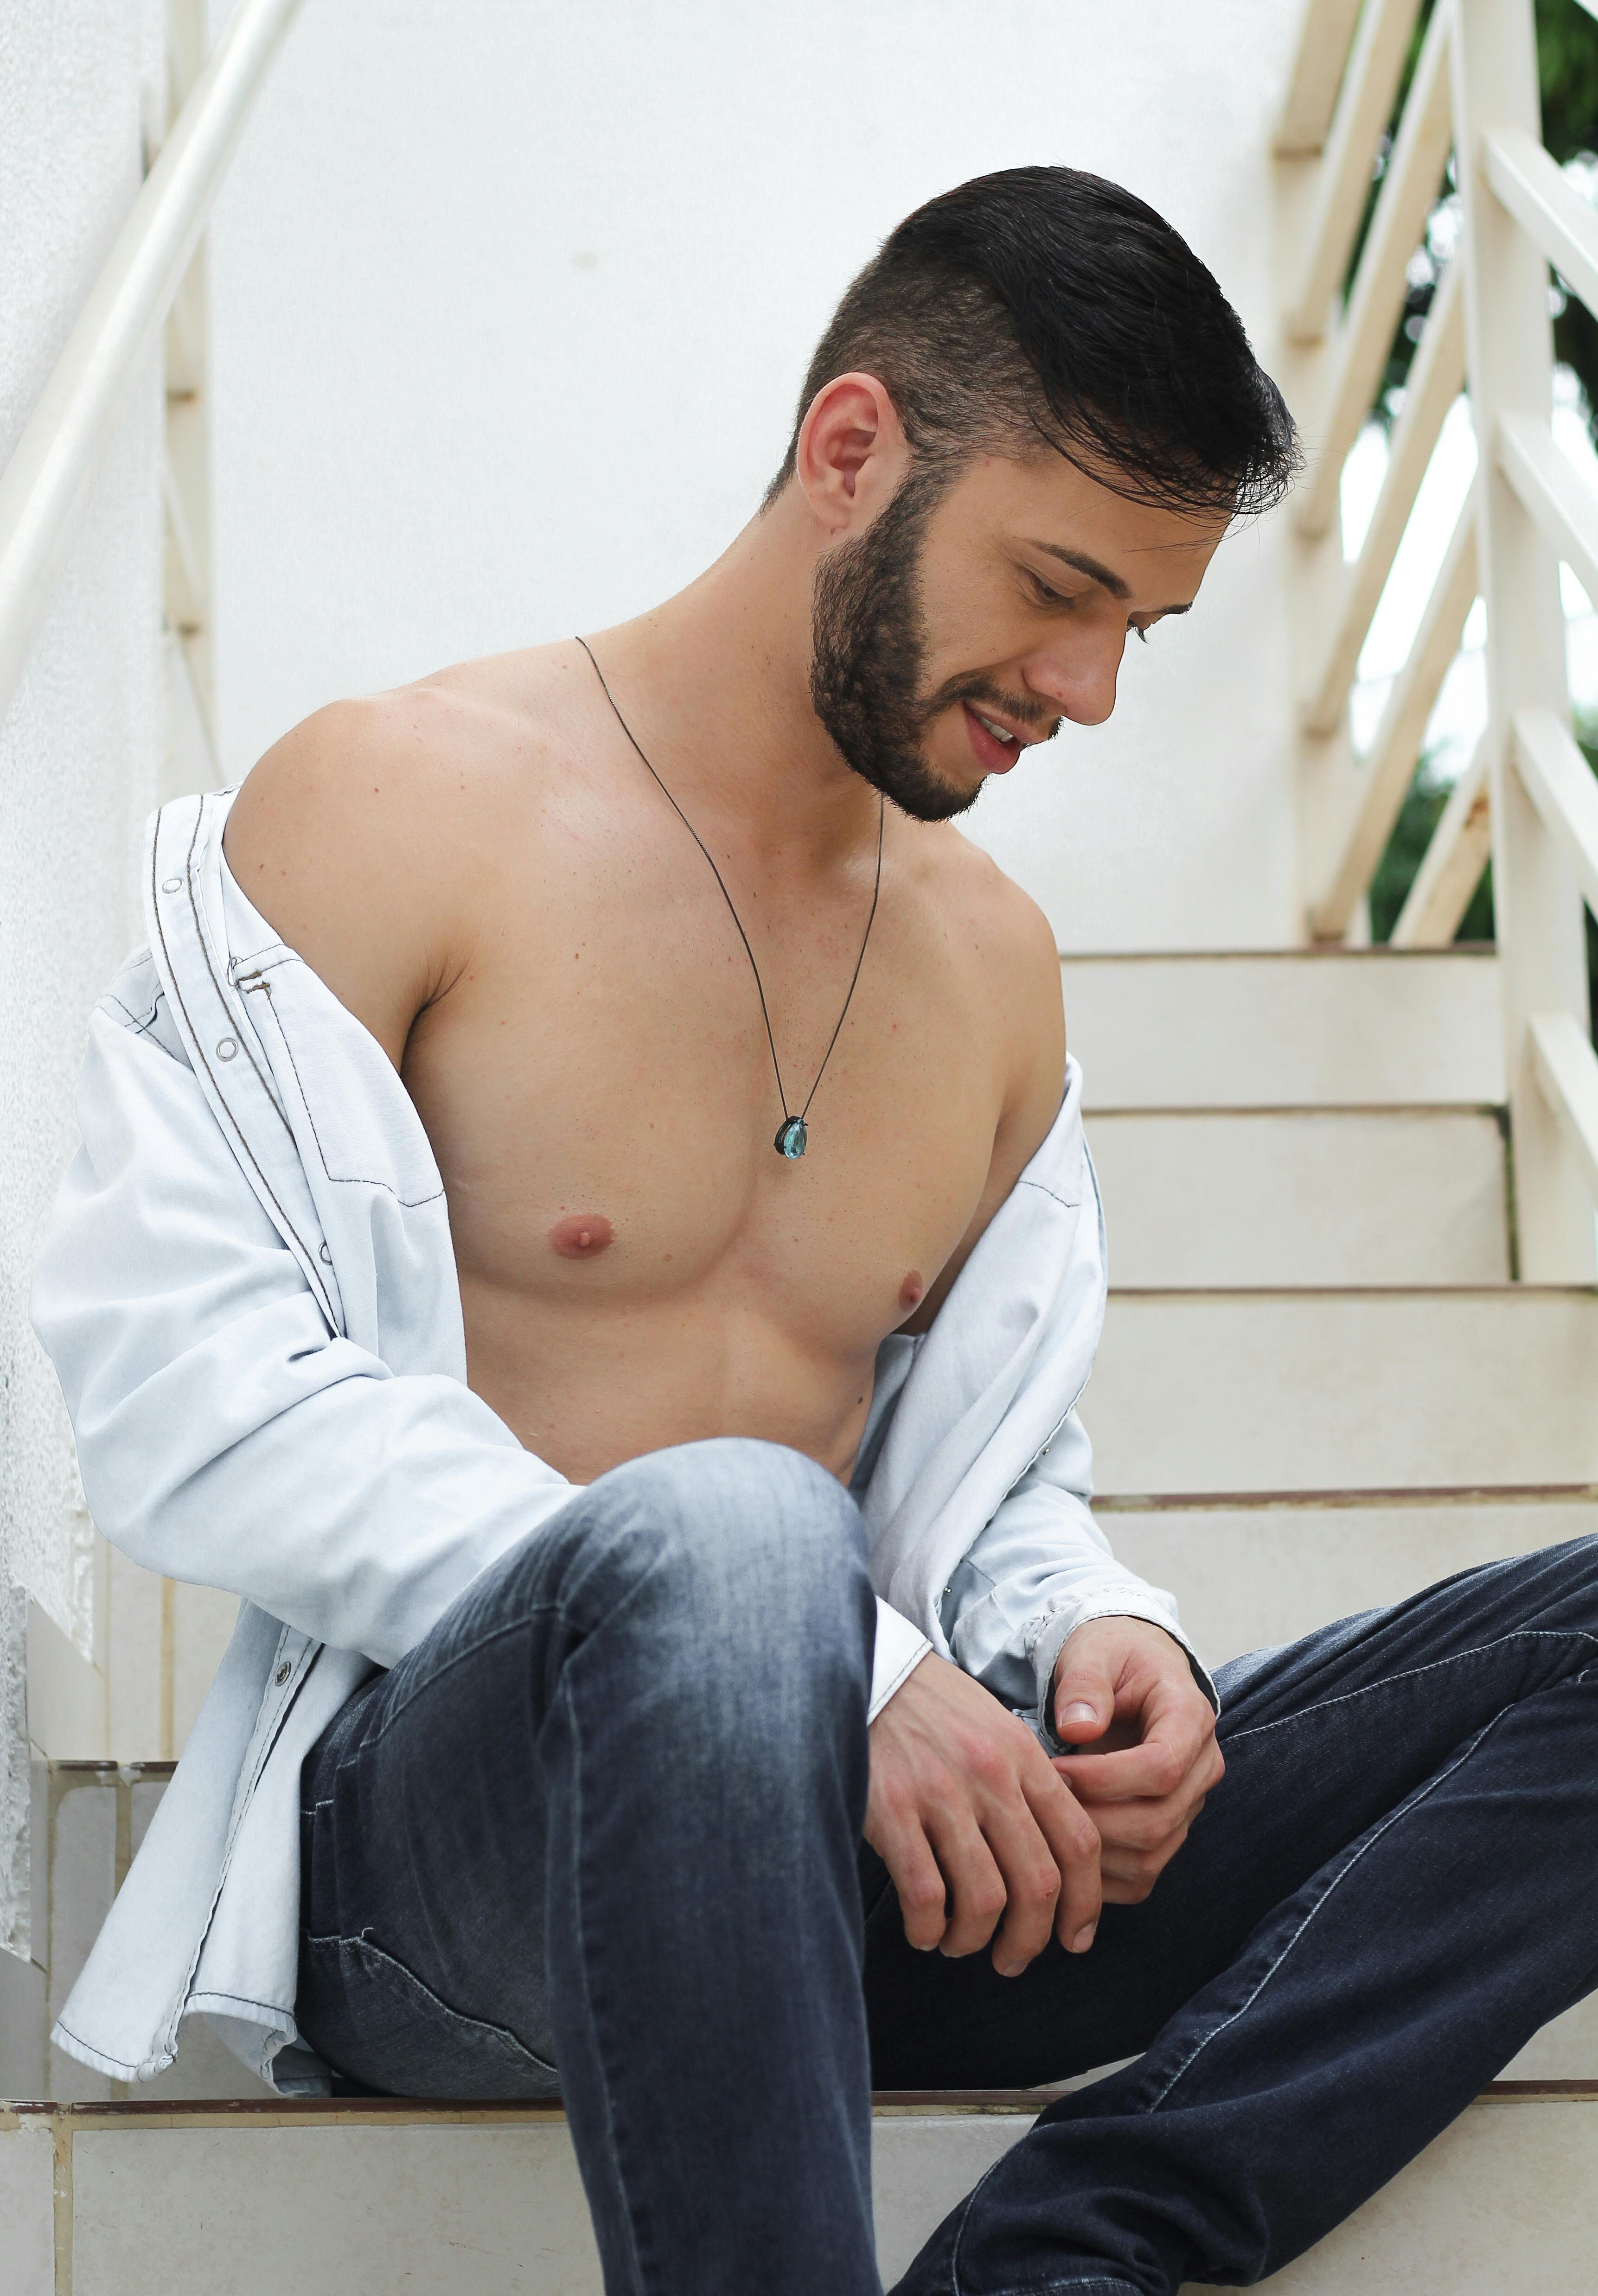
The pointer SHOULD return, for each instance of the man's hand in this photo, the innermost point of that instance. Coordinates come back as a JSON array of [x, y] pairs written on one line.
[[1124, 1692], [970, 1820]]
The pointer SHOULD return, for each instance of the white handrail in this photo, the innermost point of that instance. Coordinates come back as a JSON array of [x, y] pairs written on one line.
[[1555, 778], [1363, 104], [1390, 767], [1546, 204], [50, 476], [1566, 1069], [1435, 380], [1414, 170], [1548, 485], [1461, 847]]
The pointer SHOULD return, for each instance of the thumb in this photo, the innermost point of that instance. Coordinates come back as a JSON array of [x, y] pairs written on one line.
[[1084, 1699]]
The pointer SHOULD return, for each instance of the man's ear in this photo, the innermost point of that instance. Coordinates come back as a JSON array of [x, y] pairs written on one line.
[[852, 452]]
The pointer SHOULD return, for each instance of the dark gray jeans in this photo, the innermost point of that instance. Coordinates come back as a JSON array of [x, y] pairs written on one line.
[[607, 1818]]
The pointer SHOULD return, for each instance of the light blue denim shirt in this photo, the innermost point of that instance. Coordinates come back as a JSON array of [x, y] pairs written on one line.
[[248, 1290]]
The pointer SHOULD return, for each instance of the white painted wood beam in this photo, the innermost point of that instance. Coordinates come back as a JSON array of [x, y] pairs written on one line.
[[1545, 202], [1413, 173], [1566, 1067], [1362, 107], [1561, 786], [1390, 767], [1317, 73], [1461, 847]]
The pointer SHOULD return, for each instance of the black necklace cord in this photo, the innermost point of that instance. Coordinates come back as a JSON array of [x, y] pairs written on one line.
[[732, 911]]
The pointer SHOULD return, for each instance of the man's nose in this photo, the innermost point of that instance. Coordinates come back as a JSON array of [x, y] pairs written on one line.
[[1078, 681]]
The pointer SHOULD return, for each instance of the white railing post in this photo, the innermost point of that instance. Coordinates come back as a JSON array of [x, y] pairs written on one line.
[[1509, 363]]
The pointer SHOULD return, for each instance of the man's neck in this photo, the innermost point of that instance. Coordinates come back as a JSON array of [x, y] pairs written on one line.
[[714, 686]]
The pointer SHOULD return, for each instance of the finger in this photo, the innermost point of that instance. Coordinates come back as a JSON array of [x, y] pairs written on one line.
[[1073, 1841], [922, 1893], [1140, 1826], [974, 1884], [1130, 1874], [1176, 1744], [1084, 1698], [1032, 1885]]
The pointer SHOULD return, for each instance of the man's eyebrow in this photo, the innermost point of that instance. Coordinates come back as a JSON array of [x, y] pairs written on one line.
[[1113, 583], [1091, 567]]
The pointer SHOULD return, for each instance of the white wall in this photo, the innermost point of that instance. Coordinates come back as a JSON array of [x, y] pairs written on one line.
[[78, 749], [512, 303]]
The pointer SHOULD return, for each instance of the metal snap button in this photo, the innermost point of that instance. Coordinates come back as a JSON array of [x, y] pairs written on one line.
[[227, 1048], [282, 1674], [172, 885]]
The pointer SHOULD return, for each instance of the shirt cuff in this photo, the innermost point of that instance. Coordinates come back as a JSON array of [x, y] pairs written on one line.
[[1057, 1630], [900, 1649]]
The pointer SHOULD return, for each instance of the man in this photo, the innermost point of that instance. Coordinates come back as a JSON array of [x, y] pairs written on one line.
[[770, 1277]]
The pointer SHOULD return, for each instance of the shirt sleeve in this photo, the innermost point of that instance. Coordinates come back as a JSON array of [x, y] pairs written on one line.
[[1041, 1569]]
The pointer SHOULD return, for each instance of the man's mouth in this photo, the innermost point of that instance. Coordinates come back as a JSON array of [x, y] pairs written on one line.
[[995, 747]]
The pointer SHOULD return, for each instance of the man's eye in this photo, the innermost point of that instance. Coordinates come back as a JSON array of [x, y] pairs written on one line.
[[1049, 595]]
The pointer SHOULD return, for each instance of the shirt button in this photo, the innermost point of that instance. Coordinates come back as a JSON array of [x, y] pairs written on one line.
[[227, 1048], [282, 1674], [325, 1254], [172, 885]]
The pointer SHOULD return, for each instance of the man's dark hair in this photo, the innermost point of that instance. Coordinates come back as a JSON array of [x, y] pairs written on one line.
[[1041, 308]]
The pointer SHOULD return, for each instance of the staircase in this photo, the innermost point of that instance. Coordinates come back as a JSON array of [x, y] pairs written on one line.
[[1318, 1391]]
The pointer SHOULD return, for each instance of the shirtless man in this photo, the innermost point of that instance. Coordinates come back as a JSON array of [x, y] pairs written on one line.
[[600, 905]]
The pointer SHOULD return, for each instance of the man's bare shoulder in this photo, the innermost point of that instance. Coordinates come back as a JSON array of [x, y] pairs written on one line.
[[1006, 934], [364, 835]]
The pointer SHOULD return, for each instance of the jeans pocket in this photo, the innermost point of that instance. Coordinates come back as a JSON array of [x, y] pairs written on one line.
[[374, 2020]]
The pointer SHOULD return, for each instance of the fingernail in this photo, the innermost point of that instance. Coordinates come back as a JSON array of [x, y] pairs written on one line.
[[1084, 1938], [1077, 1714]]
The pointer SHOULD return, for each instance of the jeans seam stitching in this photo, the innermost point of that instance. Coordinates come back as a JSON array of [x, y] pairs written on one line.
[[1412, 1673], [1392, 1819], [366, 1943]]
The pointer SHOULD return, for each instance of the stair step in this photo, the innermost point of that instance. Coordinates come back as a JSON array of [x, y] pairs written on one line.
[[1209, 1392], [1248, 1577], [486, 2201], [1287, 1028], [1303, 1197]]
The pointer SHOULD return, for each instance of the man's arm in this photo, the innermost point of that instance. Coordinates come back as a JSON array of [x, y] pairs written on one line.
[[958, 1810]]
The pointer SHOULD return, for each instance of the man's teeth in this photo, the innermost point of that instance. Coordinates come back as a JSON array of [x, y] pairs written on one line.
[[999, 733]]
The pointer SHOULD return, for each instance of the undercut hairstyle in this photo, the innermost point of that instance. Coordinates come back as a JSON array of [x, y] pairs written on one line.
[[1041, 308]]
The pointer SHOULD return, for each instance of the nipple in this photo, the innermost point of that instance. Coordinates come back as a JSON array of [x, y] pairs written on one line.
[[911, 1292], [581, 1235]]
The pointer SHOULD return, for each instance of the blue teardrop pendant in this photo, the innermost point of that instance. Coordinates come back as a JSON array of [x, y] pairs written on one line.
[[792, 1137]]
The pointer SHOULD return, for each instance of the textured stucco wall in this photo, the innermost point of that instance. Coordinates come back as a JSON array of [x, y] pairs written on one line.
[[512, 303], [80, 83]]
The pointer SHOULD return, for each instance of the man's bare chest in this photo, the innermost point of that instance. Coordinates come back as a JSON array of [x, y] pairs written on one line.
[[600, 1093]]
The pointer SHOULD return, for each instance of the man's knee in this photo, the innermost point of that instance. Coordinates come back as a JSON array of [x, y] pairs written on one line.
[[738, 1554]]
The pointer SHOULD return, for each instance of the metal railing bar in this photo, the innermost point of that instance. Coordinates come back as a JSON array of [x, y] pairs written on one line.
[[1420, 155], [1390, 765], [1529, 182], [1451, 869], [50, 476], [1560, 784], [1318, 73], [1363, 106], [1435, 381], [1566, 1069], [1560, 500]]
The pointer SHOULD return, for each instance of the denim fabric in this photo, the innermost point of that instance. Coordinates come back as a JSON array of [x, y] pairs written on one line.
[[604, 1819]]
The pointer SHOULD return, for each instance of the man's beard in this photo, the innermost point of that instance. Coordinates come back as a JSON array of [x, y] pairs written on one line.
[[868, 643]]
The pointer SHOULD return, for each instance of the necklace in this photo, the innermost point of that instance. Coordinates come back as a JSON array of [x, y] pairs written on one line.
[[792, 1132]]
